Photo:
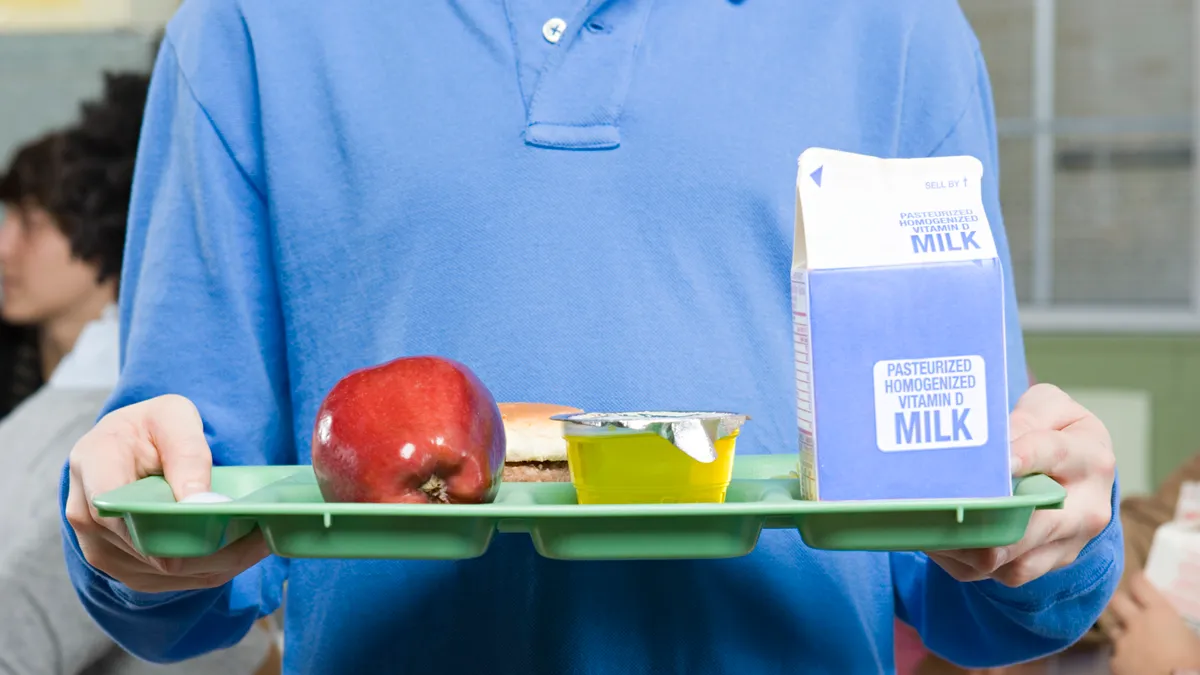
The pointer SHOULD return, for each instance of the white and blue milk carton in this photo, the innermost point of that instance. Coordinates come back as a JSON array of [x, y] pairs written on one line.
[[898, 311]]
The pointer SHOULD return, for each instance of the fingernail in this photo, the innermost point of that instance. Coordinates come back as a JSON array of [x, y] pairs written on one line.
[[1015, 464], [193, 487], [1002, 556]]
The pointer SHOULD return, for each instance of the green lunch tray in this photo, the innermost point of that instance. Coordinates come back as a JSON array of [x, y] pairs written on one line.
[[285, 503]]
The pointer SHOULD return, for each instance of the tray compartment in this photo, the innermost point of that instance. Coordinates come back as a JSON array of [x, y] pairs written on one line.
[[913, 530], [369, 536], [659, 538], [185, 535]]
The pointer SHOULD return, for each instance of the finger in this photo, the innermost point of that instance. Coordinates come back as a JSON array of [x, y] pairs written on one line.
[[137, 563], [118, 540], [82, 519], [1124, 609], [1058, 454], [1044, 407], [177, 433], [235, 558], [1035, 564], [153, 582], [104, 554], [959, 571], [117, 558], [1044, 527], [78, 510], [981, 561], [98, 463]]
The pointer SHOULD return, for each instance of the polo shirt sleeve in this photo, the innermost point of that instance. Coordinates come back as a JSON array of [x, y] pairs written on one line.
[[985, 623], [200, 317]]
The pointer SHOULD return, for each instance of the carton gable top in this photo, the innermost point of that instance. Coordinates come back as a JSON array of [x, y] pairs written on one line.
[[859, 211]]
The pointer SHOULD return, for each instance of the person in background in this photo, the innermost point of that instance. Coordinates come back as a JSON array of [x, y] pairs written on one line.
[[66, 200], [1147, 634], [58, 244]]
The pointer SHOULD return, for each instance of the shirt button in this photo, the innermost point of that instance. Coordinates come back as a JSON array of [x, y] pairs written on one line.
[[553, 30]]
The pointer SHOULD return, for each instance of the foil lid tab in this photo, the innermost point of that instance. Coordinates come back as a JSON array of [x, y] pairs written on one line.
[[694, 433]]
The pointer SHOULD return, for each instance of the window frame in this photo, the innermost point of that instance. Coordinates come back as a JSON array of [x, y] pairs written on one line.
[[1041, 313]]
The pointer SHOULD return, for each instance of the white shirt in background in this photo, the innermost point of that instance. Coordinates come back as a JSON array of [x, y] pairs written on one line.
[[94, 362]]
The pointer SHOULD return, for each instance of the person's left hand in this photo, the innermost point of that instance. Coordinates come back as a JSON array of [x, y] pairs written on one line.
[[1150, 638], [1054, 435]]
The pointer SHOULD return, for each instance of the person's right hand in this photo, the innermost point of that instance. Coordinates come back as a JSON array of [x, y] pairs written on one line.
[[162, 436]]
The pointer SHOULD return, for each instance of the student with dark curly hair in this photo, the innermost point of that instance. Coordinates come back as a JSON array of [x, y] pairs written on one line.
[[66, 201], [66, 198]]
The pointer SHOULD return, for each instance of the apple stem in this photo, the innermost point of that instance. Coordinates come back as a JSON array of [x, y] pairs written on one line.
[[435, 487]]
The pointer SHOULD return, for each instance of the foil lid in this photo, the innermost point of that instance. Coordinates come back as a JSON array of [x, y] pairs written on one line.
[[692, 432]]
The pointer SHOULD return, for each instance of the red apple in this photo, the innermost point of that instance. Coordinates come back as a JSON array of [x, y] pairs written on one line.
[[414, 430]]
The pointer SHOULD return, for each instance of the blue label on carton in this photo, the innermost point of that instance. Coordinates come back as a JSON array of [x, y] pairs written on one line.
[[898, 326]]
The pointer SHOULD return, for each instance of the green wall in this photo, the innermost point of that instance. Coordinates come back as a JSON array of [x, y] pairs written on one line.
[[1166, 366]]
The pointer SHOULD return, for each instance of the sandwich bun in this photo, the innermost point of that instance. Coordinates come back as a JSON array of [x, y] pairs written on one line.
[[535, 448], [530, 433]]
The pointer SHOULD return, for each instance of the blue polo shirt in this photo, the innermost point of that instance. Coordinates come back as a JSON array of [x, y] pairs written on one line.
[[587, 202]]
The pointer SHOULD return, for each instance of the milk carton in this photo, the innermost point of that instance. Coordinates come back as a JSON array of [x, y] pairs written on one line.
[[898, 311]]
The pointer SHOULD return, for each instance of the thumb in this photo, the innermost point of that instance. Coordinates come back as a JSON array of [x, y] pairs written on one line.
[[177, 432]]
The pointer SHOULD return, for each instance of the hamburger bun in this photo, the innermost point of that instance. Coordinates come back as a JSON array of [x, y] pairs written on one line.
[[535, 448]]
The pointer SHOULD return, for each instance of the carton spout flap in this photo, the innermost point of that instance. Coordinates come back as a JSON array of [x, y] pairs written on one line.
[[859, 211]]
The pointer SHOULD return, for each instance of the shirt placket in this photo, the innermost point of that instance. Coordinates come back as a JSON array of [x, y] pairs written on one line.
[[575, 63]]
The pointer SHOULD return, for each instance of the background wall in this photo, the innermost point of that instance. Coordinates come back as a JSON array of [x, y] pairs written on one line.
[[44, 76], [1112, 103], [53, 51]]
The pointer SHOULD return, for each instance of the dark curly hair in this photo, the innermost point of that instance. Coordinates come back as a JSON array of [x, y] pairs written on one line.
[[32, 176], [83, 174]]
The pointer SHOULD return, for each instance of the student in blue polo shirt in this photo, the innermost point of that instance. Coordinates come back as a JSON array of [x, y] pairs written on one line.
[[588, 203]]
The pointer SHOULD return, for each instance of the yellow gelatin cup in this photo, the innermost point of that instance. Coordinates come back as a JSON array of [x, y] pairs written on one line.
[[626, 466]]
